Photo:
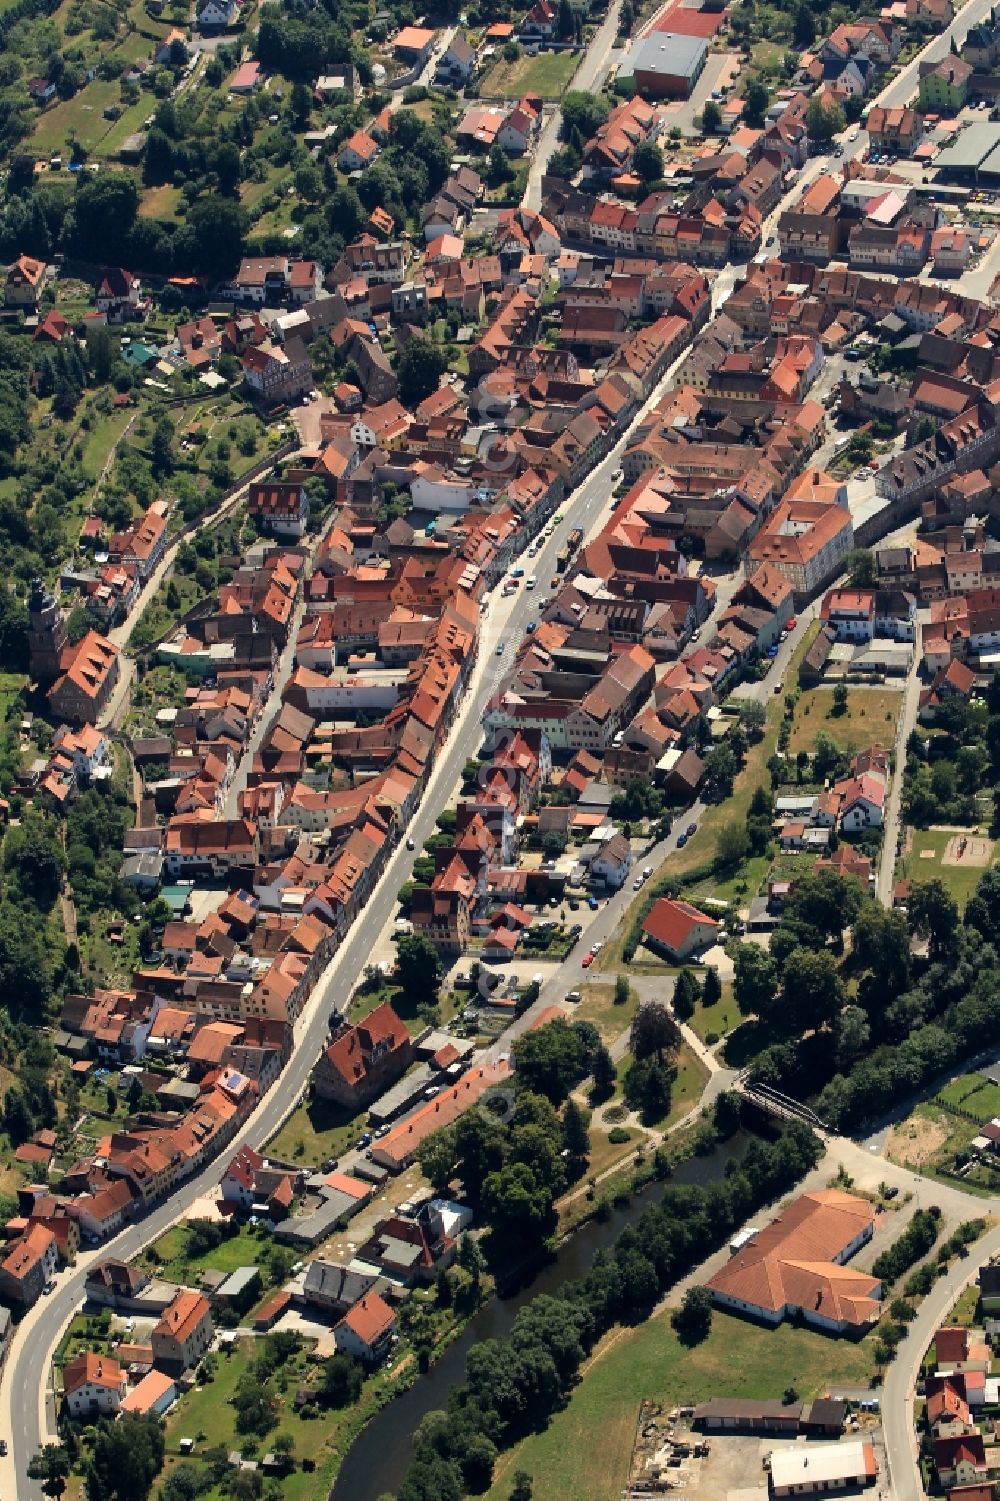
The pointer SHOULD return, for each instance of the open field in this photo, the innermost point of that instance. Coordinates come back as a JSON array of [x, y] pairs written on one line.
[[869, 719], [584, 1453], [315, 1131], [598, 1006], [171, 1258], [931, 854], [718, 1019], [547, 75]]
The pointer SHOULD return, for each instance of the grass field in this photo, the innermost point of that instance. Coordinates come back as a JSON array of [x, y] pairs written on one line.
[[316, 1130], [547, 75], [720, 1018], [870, 719], [177, 1264], [584, 1453], [961, 880], [598, 1006]]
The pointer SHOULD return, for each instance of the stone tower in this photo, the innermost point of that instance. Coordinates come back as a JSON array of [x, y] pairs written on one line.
[[47, 634]]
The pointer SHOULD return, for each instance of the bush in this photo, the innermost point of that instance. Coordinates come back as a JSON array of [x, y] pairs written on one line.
[[914, 1242], [618, 1134]]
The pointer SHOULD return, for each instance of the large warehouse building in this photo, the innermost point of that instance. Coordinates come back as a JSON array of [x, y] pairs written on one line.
[[666, 65], [972, 156]]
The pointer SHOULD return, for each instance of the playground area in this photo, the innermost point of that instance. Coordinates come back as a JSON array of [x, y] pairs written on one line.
[[967, 849]]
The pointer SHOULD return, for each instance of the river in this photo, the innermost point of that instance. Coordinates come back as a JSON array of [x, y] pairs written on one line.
[[379, 1456]]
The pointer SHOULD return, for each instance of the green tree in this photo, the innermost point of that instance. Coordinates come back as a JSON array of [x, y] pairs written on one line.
[[341, 1382], [755, 102], [823, 121], [653, 1031], [860, 566], [575, 1133], [517, 1205], [711, 118], [755, 980], [812, 991], [933, 914], [711, 987], [720, 771], [732, 844], [687, 994], [550, 1060], [621, 990], [418, 967], [51, 1466], [647, 162], [126, 1457], [692, 1321], [604, 1074], [420, 367], [804, 28], [162, 446]]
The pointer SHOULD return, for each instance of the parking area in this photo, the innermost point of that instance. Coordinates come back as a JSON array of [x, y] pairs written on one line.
[[721, 72]]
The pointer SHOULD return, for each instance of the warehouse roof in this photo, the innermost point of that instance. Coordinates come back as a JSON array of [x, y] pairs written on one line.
[[667, 52]]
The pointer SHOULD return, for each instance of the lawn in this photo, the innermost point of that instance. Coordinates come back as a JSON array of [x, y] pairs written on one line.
[[718, 1019], [869, 719], [315, 1131], [584, 1453], [171, 1259], [961, 880], [101, 438], [547, 75], [598, 1006]]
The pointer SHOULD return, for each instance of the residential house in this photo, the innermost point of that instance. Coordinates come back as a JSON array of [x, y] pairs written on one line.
[[183, 1334], [367, 1330], [93, 1385], [25, 279], [678, 930]]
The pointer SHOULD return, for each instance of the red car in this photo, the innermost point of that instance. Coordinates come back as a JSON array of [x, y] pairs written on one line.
[[587, 959], [791, 622]]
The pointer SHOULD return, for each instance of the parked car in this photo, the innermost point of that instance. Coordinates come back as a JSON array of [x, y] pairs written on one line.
[[365, 1139], [593, 903], [585, 963], [573, 996], [411, 844], [682, 841], [692, 828]]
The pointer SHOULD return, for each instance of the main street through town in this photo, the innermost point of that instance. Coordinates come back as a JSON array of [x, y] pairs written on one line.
[[26, 1409], [27, 1417]]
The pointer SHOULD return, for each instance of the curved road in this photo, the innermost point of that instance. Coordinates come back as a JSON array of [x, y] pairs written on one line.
[[905, 1483]]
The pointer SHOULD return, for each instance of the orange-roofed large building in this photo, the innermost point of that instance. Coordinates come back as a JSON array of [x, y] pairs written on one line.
[[29, 1264], [795, 1267], [677, 929], [88, 674], [806, 541], [183, 1334], [364, 1060], [401, 1144]]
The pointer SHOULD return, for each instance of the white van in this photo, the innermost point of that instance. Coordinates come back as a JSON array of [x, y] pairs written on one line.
[[530, 581]]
